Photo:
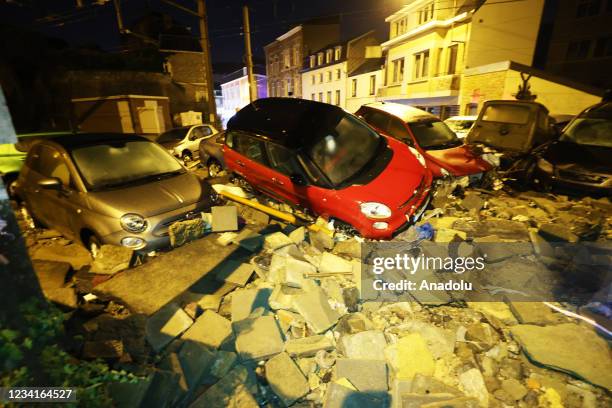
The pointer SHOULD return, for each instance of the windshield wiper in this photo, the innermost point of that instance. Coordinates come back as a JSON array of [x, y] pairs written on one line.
[[138, 180]]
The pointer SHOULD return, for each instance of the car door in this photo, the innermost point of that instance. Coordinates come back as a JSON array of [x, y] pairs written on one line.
[[283, 165], [248, 159]]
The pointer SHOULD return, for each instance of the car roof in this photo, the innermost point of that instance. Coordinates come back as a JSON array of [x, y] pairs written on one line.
[[291, 122], [75, 140], [462, 118], [516, 102], [404, 112]]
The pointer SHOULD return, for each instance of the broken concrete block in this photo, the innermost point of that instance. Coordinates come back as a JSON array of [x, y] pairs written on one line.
[[249, 240], [448, 235], [410, 356], [129, 394], [224, 361], [534, 313], [472, 202], [210, 329], [226, 238], [514, 388], [368, 345], [557, 233], [236, 389], [164, 390], [276, 240], [339, 396], [315, 309], [253, 216], [298, 235], [247, 301], [111, 259], [196, 361], [365, 375], [103, 349], [166, 324], [50, 274], [182, 232], [473, 385], [258, 338], [224, 218], [331, 263], [321, 240], [76, 255], [282, 297], [234, 272], [422, 384], [350, 247], [62, 296], [288, 319], [172, 363], [286, 379], [308, 346], [296, 271]]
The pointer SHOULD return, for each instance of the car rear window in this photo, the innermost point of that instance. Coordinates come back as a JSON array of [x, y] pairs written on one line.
[[514, 114]]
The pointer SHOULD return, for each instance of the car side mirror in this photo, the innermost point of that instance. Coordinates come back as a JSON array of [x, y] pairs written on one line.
[[50, 183], [298, 179]]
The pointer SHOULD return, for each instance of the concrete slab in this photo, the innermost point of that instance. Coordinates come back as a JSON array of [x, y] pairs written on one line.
[[235, 272], [286, 379], [76, 255], [308, 346], [236, 389], [369, 345], [246, 301], [210, 329], [315, 309], [196, 361], [51, 274], [224, 218], [365, 375], [258, 339], [165, 325], [111, 259]]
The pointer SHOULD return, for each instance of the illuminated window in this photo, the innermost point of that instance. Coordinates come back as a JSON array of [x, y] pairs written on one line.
[[398, 70], [337, 53], [337, 97], [313, 61], [329, 76], [372, 84], [328, 100], [421, 65], [426, 13], [328, 56], [320, 58], [354, 87]]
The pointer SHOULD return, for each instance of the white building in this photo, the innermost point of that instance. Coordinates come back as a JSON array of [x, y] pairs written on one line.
[[363, 83], [235, 91], [324, 77]]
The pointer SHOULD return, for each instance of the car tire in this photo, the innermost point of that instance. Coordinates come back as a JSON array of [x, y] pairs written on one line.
[[214, 168], [10, 183], [187, 157], [93, 245], [345, 228]]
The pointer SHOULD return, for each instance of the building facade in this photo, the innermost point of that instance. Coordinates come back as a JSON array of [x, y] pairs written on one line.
[[235, 91], [363, 83], [425, 55], [324, 77], [285, 55]]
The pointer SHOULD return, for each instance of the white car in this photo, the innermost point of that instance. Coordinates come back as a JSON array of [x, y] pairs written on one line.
[[184, 142], [461, 125]]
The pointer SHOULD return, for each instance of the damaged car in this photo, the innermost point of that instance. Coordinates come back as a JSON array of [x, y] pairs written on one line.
[[325, 161], [580, 161], [109, 189], [443, 152], [183, 142]]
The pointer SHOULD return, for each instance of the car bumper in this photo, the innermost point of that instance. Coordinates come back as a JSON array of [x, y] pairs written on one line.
[[156, 236]]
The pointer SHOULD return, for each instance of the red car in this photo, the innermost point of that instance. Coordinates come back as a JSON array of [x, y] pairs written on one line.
[[321, 158], [444, 153]]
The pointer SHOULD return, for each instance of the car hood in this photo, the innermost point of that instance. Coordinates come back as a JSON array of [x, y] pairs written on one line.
[[169, 145], [396, 184], [579, 158], [459, 160], [151, 198]]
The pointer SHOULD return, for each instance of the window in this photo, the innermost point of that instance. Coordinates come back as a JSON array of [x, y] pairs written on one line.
[[426, 13], [587, 8], [376, 119], [312, 96], [452, 59], [320, 77], [200, 132], [290, 87], [320, 58], [328, 100], [286, 59], [313, 79], [337, 102], [337, 53], [354, 87], [397, 129], [398, 70], [320, 96], [432, 134], [578, 50], [338, 73], [603, 47], [329, 76], [439, 62], [372, 84], [328, 56], [282, 160], [515, 114], [51, 164], [250, 147], [421, 65], [313, 61], [296, 56]]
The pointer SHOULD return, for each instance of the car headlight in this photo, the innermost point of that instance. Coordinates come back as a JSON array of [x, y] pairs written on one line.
[[133, 223], [545, 165], [418, 155], [375, 211]]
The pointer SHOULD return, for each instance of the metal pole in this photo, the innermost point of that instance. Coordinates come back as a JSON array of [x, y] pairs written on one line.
[[119, 17], [205, 44], [249, 53]]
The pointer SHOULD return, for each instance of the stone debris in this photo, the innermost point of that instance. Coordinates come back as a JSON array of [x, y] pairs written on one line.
[[103, 349], [196, 361], [276, 240], [236, 389], [234, 272], [224, 218], [315, 309], [364, 375], [258, 338], [111, 259], [308, 346], [210, 329], [368, 345], [248, 301], [182, 232], [162, 327], [286, 379]]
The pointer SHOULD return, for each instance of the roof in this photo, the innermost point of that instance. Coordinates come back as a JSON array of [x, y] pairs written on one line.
[[404, 112], [516, 102], [333, 61], [74, 140], [462, 118], [291, 122], [370, 65]]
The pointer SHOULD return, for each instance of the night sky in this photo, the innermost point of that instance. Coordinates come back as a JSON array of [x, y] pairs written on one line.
[[96, 25]]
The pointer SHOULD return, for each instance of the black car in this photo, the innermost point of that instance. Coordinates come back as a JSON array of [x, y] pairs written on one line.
[[211, 154], [580, 160]]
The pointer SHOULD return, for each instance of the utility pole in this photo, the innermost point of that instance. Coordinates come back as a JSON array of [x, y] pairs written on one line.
[[119, 16], [205, 44], [248, 53]]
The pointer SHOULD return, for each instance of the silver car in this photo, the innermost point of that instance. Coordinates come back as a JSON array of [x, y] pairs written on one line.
[[109, 189]]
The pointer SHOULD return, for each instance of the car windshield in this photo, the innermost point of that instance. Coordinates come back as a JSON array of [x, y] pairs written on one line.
[[458, 125], [174, 135], [345, 149], [506, 113], [433, 134], [589, 131], [114, 164]]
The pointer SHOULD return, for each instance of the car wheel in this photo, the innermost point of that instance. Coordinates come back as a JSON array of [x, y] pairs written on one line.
[[29, 219], [214, 168], [187, 157], [93, 245], [345, 228]]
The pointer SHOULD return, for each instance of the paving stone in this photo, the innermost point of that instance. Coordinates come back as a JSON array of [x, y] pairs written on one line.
[[365, 375], [557, 233], [65, 297], [182, 232], [234, 272], [296, 271], [129, 394], [226, 238], [76, 255], [298, 235], [111, 259], [410, 356], [249, 240], [534, 313], [331, 263], [339, 396], [514, 388], [224, 218], [50, 274], [103, 349], [196, 361], [164, 391], [473, 385], [422, 384], [308, 346], [282, 297], [172, 363], [166, 324], [286, 379], [350, 247], [472, 202], [369, 345], [315, 309], [224, 361], [276, 240], [236, 389], [258, 338], [246, 301], [321, 240], [431, 400], [568, 347], [210, 329], [448, 235]]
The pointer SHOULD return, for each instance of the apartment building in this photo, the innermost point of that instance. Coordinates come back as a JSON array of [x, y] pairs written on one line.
[[285, 55], [363, 83], [235, 91]]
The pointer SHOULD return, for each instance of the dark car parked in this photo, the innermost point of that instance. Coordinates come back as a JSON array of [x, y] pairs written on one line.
[[109, 189], [321, 158], [581, 160], [211, 154]]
